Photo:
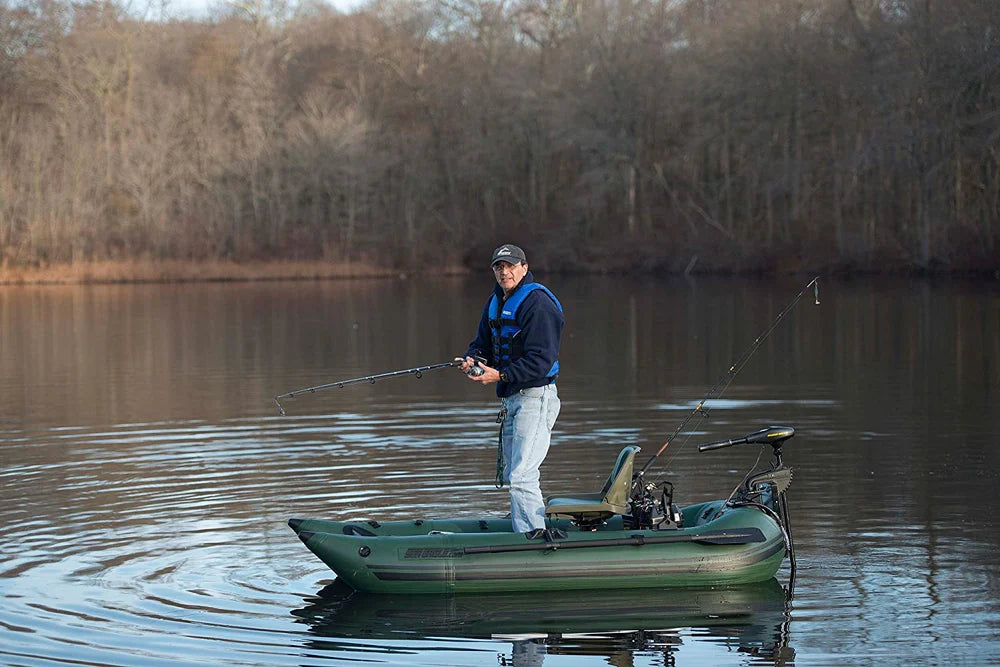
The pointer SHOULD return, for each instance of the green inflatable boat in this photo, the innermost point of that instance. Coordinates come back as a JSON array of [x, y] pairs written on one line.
[[626, 536]]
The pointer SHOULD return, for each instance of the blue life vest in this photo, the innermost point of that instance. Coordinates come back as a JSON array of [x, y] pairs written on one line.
[[504, 327]]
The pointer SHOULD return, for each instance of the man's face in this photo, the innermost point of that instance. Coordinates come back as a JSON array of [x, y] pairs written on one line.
[[509, 275]]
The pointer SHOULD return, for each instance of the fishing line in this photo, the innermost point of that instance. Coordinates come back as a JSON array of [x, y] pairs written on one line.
[[719, 387]]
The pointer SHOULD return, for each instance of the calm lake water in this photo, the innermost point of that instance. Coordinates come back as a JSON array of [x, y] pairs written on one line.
[[147, 477]]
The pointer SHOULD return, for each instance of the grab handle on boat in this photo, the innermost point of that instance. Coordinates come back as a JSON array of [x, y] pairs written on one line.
[[749, 535], [773, 435]]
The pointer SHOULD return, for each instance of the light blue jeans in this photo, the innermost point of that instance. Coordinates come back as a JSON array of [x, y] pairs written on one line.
[[527, 430]]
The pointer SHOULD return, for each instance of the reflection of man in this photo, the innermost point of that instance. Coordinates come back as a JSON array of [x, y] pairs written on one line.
[[528, 652], [518, 335]]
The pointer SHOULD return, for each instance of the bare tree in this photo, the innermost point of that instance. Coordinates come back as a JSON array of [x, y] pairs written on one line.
[[645, 134]]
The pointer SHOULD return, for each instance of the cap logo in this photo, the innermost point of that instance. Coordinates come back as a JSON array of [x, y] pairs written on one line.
[[504, 251]]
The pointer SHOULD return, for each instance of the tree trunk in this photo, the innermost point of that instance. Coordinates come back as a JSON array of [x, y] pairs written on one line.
[[838, 195], [630, 196]]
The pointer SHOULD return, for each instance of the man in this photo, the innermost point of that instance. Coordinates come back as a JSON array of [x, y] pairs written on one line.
[[518, 335]]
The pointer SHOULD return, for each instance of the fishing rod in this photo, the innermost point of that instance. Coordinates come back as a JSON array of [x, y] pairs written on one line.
[[418, 372], [719, 387]]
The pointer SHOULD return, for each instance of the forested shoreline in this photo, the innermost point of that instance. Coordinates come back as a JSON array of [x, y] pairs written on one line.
[[635, 135]]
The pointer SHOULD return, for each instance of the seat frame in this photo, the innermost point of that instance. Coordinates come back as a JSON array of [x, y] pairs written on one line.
[[591, 509]]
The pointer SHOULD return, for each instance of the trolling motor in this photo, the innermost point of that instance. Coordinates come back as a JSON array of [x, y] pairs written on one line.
[[767, 487]]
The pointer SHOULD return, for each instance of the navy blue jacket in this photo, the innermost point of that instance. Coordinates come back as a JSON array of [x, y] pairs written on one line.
[[541, 324]]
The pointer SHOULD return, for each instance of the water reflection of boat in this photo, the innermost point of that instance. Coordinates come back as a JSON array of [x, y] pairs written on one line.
[[753, 617]]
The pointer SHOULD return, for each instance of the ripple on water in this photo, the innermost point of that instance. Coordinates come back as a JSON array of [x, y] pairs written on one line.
[[166, 542]]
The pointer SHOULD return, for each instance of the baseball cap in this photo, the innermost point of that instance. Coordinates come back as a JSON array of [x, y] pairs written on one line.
[[508, 253]]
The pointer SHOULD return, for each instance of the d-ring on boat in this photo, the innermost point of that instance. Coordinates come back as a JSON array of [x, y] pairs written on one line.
[[625, 536]]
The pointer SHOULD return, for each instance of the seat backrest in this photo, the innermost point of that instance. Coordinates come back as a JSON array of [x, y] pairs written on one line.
[[616, 489]]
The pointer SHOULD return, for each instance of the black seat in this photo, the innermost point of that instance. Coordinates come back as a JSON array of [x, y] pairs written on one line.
[[593, 508]]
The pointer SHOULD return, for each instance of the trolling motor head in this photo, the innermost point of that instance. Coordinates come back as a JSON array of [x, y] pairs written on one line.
[[772, 435]]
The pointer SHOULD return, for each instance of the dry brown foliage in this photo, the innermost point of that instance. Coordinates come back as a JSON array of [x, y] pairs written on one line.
[[164, 271], [638, 135]]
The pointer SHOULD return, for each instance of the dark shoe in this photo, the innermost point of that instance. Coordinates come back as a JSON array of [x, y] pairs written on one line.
[[549, 535]]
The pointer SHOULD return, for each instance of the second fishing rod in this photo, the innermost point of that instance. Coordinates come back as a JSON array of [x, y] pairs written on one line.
[[719, 387]]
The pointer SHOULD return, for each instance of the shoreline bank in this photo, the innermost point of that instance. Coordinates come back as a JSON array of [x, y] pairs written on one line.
[[181, 271]]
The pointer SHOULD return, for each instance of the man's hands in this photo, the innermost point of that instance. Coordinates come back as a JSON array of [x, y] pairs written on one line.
[[488, 376]]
